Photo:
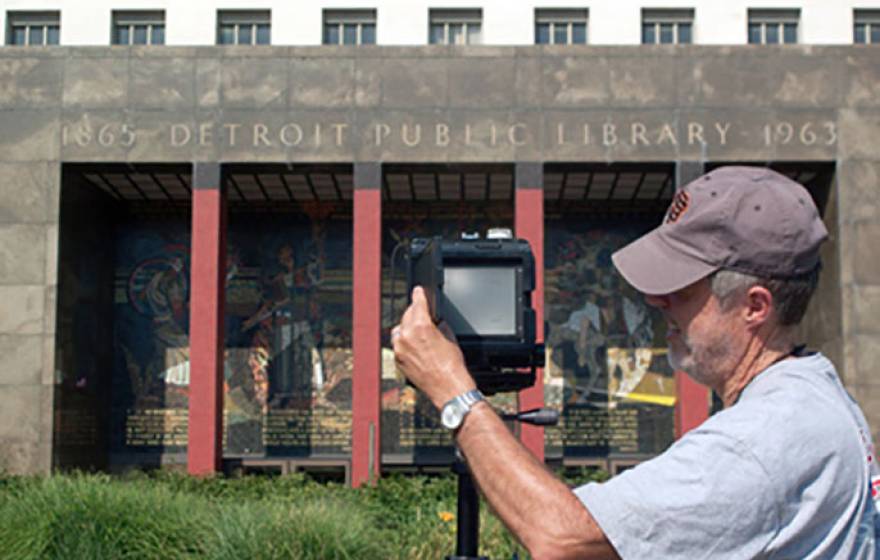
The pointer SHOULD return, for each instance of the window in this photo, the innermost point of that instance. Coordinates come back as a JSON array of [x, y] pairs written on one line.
[[455, 27], [560, 27], [139, 28], [773, 27], [235, 27], [866, 27], [33, 28], [349, 27], [667, 27]]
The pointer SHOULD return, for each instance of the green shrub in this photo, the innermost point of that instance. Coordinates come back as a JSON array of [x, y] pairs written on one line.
[[174, 516], [93, 517]]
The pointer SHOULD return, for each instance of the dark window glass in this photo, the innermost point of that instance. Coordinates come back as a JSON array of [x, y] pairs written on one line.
[[158, 37], [35, 35], [772, 34], [245, 34], [227, 35], [349, 34], [648, 37], [368, 34], [456, 31], [560, 34], [121, 37], [755, 33], [19, 36], [666, 36], [436, 35], [579, 33], [263, 36], [875, 33], [684, 33], [331, 34], [542, 33], [140, 34], [53, 35], [859, 33], [790, 33]]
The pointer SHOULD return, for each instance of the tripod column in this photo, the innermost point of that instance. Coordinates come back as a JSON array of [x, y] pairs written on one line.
[[204, 451], [529, 223], [366, 322], [467, 537]]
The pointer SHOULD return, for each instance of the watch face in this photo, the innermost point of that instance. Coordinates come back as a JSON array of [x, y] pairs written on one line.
[[452, 415]]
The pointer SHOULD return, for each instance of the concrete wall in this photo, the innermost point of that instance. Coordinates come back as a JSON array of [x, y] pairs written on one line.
[[497, 104], [405, 22], [29, 194]]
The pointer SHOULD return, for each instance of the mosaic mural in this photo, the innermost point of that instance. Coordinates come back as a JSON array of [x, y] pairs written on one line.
[[288, 360], [606, 353], [287, 367]]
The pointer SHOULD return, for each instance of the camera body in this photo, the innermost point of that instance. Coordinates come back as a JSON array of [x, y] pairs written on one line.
[[482, 288]]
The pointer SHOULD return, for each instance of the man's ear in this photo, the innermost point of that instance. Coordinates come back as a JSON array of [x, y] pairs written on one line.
[[758, 306]]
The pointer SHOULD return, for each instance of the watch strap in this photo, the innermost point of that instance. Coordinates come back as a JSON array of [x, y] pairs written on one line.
[[470, 398]]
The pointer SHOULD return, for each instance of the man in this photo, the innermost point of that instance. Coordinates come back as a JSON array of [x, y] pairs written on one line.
[[784, 471]]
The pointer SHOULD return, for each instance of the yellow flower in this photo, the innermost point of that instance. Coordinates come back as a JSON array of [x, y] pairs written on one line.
[[446, 516]]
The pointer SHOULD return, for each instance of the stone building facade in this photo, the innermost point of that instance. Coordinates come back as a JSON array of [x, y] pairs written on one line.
[[192, 117]]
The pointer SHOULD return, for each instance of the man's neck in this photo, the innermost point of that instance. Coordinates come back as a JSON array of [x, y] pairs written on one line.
[[757, 356]]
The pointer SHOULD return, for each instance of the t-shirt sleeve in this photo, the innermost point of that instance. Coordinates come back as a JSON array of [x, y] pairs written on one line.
[[705, 497]]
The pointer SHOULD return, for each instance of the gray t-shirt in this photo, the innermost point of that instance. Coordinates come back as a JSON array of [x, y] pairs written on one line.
[[783, 473]]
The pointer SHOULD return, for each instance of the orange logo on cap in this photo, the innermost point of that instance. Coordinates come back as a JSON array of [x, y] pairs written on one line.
[[678, 207]]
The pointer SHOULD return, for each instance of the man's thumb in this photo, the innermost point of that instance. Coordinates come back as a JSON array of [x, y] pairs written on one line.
[[418, 298]]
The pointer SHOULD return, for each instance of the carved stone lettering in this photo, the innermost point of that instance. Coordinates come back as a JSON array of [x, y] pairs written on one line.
[[722, 129], [411, 138], [82, 133], [231, 129], [441, 135], [180, 135], [695, 133], [638, 134], [609, 134], [382, 132], [667, 135], [291, 135], [516, 137]]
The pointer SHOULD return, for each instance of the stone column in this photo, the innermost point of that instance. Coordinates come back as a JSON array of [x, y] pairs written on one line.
[[366, 323], [29, 202], [692, 399], [207, 314], [30, 179], [857, 224], [529, 223]]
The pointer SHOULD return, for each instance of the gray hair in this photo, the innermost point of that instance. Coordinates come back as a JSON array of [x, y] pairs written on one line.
[[790, 295]]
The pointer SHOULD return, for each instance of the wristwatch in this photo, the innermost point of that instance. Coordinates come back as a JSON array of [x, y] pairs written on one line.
[[455, 410]]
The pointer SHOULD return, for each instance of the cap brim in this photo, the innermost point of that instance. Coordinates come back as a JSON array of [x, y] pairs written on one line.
[[654, 268]]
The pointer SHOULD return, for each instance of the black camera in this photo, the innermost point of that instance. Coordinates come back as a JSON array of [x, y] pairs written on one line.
[[482, 288]]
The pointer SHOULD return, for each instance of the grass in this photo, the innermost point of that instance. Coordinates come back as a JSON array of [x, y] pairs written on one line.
[[172, 516]]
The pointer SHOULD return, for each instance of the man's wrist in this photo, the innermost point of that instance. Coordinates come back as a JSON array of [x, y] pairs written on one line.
[[459, 384], [472, 419]]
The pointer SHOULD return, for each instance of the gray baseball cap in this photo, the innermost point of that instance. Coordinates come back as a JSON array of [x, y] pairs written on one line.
[[748, 219]]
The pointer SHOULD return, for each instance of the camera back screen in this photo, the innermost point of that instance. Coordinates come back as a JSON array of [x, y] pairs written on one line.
[[480, 301]]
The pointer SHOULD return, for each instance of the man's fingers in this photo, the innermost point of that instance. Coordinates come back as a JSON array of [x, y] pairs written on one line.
[[419, 301]]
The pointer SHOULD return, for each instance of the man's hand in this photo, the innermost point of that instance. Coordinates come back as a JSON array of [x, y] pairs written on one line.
[[430, 359]]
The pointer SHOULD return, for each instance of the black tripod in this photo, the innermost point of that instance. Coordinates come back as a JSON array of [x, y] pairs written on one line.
[[467, 528]]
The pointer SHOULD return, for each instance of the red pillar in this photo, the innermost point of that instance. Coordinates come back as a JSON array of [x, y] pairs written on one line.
[[366, 323], [206, 327], [692, 399], [529, 224], [691, 404]]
